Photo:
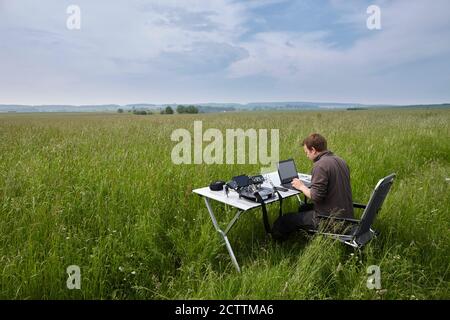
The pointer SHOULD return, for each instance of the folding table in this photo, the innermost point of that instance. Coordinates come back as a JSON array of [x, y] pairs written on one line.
[[242, 205]]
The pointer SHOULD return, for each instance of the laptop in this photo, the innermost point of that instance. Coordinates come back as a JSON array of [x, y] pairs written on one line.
[[288, 172]]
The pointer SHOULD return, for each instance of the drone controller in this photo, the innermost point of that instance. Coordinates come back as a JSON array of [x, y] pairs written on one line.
[[247, 186]]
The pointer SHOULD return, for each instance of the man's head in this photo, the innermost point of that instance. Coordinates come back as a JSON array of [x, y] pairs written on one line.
[[313, 145]]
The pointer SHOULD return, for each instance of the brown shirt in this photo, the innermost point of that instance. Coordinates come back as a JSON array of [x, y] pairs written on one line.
[[331, 191]]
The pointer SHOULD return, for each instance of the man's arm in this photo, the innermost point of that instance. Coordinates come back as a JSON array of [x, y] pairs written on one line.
[[319, 185], [298, 184]]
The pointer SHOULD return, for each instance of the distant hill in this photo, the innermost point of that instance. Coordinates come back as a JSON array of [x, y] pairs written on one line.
[[208, 107], [420, 106], [58, 108], [141, 106]]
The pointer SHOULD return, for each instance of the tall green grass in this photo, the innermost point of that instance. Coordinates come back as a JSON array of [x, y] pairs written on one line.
[[100, 191]]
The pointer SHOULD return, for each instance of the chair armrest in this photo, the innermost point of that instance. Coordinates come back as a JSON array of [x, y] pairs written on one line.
[[359, 205], [338, 218]]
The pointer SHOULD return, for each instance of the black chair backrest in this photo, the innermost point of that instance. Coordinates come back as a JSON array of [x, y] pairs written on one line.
[[376, 201]]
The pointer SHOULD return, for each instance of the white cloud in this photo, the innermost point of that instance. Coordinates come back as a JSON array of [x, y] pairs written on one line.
[[126, 47], [413, 31], [117, 40]]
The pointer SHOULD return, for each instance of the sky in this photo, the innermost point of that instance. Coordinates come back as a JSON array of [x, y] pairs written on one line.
[[192, 51]]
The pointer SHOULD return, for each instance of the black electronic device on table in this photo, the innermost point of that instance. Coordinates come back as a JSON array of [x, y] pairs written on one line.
[[217, 185], [247, 186]]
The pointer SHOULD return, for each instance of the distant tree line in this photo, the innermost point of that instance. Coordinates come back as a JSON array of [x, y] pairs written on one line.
[[187, 109], [142, 112], [180, 109], [135, 111], [168, 110], [356, 109]]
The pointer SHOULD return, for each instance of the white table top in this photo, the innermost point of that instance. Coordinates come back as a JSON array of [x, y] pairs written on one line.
[[244, 204]]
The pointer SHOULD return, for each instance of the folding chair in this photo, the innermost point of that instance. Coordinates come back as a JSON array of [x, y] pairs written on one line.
[[360, 231]]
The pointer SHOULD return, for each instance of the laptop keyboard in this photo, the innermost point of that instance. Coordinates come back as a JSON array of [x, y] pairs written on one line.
[[288, 186]]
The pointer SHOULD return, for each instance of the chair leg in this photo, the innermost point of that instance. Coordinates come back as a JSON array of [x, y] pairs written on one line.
[[375, 233]]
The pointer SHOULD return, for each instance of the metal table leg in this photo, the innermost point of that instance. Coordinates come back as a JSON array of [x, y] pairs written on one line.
[[300, 200], [224, 234], [233, 221]]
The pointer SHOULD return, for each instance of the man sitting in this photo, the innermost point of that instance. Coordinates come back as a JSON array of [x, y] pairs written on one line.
[[330, 191]]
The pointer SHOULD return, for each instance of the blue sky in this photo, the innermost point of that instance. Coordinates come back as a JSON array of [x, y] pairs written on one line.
[[194, 51]]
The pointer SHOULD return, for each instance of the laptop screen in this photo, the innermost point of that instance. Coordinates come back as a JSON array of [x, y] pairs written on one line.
[[287, 171]]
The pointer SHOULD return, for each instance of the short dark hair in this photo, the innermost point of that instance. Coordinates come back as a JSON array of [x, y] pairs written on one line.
[[315, 140]]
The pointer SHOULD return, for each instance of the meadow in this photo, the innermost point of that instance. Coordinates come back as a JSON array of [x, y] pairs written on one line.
[[100, 191]]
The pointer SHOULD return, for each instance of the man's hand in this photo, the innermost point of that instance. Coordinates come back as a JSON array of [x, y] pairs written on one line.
[[297, 184]]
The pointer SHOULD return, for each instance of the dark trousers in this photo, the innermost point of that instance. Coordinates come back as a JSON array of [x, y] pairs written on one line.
[[287, 224]]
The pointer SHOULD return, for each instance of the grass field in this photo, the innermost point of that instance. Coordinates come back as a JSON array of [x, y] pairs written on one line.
[[100, 191]]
